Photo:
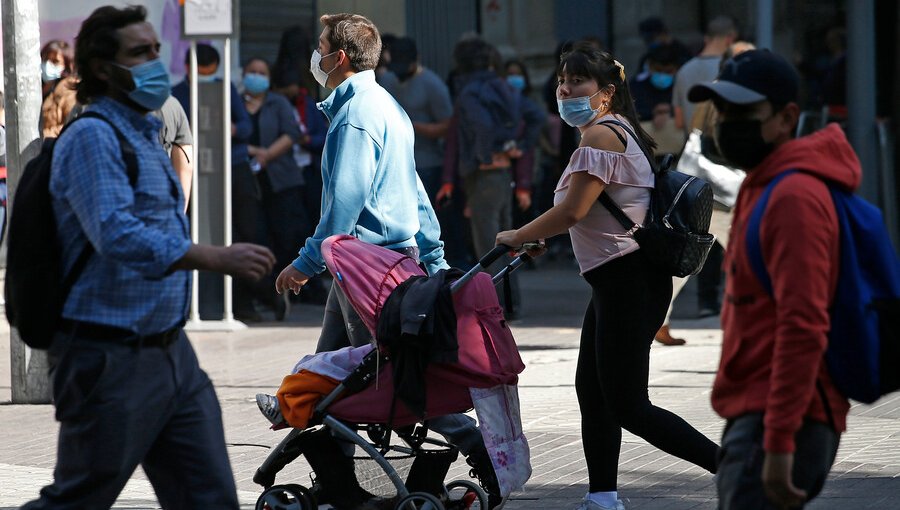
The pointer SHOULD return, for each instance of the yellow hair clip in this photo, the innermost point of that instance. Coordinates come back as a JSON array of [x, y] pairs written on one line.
[[621, 69]]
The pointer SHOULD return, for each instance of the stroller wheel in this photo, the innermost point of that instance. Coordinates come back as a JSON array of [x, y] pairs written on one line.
[[286, 497], [419, 501], [466, 494]]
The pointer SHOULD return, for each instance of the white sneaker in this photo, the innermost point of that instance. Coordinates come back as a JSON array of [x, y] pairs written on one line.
[[588, 504]]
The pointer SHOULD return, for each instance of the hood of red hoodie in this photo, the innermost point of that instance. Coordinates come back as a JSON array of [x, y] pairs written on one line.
[[826, 153]]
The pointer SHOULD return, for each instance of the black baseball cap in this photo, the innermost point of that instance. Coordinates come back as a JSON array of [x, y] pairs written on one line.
[[750, 77]]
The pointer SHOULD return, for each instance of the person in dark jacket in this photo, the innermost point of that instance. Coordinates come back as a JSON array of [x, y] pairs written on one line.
[[483, 142], [275, 131]]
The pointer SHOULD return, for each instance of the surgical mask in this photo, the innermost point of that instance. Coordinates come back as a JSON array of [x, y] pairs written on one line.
[[576, 111], [516, 81], [51, 71], [742, 144], [315, 67], [256, 83], [206, 78], [662, 81], [151, 84]]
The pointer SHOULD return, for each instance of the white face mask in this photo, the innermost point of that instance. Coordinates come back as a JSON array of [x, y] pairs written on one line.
[[315, 67], [51, 71]]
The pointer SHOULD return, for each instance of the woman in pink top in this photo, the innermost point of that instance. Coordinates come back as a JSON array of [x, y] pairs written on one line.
[[630, 296]]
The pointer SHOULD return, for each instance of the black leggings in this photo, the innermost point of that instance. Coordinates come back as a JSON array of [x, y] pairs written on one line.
[[628, 305]]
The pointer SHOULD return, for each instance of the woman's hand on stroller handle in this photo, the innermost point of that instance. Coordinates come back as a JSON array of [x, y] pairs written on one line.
[[290, 279], [509, 240]]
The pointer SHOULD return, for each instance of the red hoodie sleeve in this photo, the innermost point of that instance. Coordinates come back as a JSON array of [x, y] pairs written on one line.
[[799, 236]]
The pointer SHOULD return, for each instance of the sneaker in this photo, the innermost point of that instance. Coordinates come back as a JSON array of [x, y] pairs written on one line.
[[269, 407], [483, 471], [587, 504]]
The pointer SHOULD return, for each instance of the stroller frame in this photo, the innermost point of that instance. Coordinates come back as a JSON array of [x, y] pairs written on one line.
[[287, 450]]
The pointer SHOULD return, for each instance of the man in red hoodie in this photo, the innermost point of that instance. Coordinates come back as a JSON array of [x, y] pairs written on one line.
[[784, 414]]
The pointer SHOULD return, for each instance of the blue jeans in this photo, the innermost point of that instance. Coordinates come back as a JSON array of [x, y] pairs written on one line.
[[739, 478], [120, 406]]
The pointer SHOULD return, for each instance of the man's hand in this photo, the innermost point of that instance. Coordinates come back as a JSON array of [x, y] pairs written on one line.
[[291, 279], [445, 193], [245, 260], [523, 197], [776, 476]]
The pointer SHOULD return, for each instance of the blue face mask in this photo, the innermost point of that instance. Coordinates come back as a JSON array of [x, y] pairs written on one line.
[[151, 84], [206, 78], [576, 111], [662, 81], [256, 83], [516, 81]]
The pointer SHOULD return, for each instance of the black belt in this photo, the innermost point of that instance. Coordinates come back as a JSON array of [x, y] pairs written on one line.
[[103, 333]]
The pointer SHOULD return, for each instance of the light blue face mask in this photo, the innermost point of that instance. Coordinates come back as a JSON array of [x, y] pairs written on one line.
[[661, 81], [576, 111], [151, 84], [256, 83], [516, 81], [206, 78]]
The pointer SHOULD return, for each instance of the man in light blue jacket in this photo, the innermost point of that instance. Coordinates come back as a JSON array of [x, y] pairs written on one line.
[[371, 191], [370, 186]]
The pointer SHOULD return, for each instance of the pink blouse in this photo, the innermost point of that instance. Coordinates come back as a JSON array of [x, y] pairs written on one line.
[[598, 237]]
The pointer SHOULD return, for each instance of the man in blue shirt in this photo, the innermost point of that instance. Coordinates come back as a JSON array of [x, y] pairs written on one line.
[[127, 386], [371, 191]]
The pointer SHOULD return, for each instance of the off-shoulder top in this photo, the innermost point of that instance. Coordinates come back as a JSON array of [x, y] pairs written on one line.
[[598, 238]]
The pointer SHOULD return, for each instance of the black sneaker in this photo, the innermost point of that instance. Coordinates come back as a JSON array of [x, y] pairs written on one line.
[[483, 471]]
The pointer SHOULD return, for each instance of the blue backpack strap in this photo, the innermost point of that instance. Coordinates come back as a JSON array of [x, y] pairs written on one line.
[[754, 245]]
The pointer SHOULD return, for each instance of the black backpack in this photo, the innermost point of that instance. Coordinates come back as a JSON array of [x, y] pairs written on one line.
[[675, 234], [35, 289]]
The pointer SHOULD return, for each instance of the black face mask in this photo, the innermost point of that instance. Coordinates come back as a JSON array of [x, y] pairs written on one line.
[[742, 144], [403, 72]]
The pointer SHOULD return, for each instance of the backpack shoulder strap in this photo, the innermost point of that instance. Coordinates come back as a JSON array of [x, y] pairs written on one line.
[[131, 167], [128, 153], [637, 140], [604, 197], [618, 135], [754, 245]]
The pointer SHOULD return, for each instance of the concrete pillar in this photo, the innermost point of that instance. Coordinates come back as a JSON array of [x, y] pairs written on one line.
[[861, 80], [22, 85], [764, 15]]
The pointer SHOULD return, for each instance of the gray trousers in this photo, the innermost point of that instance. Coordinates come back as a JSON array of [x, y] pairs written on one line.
[[342, 326], [489, 197], [120, 406], [739, 476]]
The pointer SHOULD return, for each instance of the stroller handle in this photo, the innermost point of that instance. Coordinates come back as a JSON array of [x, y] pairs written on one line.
[[494, 254]]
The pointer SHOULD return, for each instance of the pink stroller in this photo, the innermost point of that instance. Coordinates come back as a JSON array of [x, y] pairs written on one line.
[[365, 400]]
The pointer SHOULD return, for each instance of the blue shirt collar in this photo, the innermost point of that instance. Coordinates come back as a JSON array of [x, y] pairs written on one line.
[[116, 110], [359, 81]]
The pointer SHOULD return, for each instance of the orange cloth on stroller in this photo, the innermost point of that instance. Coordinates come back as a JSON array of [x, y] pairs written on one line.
[[299, 393]]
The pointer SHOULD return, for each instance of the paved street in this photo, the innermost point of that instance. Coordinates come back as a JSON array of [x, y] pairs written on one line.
[[867, 474]]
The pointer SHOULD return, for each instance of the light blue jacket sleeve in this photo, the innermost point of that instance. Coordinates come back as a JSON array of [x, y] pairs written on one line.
[[353, 172], [428, 238]]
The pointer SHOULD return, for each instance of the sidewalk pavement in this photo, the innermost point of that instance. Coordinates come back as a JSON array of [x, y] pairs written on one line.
[[241, 364]]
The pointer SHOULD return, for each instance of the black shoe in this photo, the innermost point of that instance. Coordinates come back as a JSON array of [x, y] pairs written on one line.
[[707, 311], [483, 471], [247, 316], [281, 306]]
